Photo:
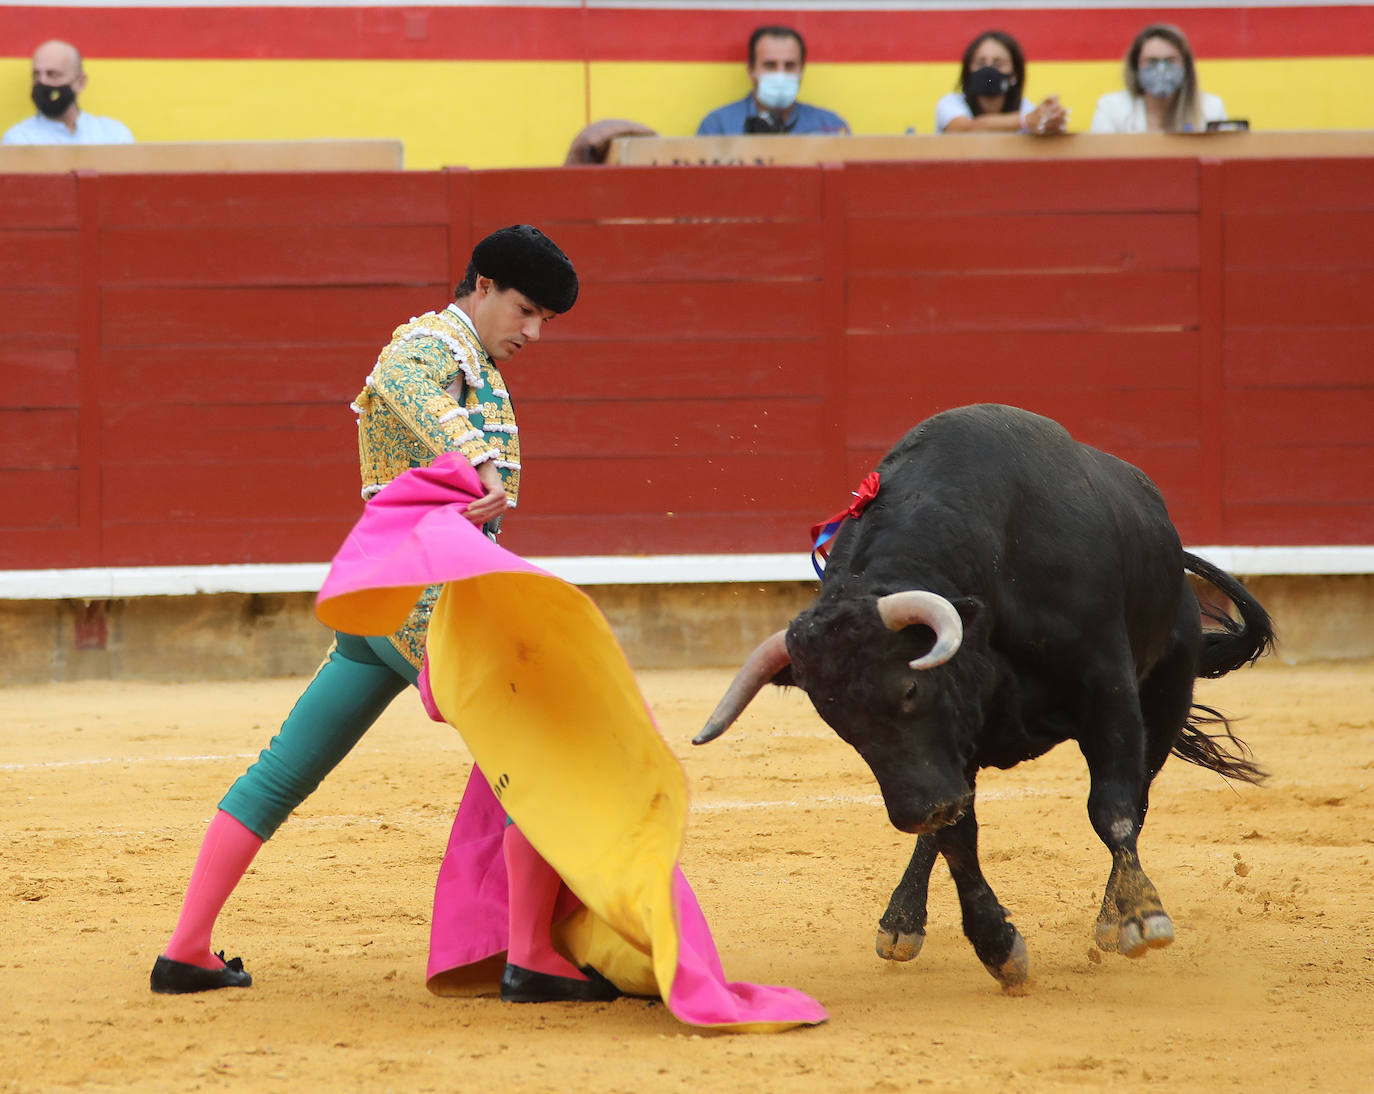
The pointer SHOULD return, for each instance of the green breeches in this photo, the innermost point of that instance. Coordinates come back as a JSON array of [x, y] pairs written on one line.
[[356, 682]]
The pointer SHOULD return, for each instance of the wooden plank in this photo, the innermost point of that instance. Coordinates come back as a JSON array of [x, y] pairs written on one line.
[[1298, 474], [37, 202], [1298, 185], [1299, 525], [210, 157], [1296, 358], [1298, 239], [725, 532], [667, 310], [1028, 242], [280, 318], [1143, 418], [1051, 302], [1320, 417], [1023, 186], [42, 440], [729, 368], [226, 375], [214, 542], [148, 434], [37, 259], [40, 548], [554, 196], [738, 428], [316, 254], [1268, 299], [737, 250], [693, 483], [290, 200], [245, 492], [1088, 360], [38, 316], [37, 375], [39, 498]]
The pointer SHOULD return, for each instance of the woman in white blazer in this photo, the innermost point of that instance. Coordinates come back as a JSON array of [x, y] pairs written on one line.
[[1161, 93]]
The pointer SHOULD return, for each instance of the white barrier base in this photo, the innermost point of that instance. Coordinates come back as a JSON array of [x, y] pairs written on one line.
[[120, 582]]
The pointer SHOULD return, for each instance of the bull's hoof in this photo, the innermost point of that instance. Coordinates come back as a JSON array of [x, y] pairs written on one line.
[[899, 946], [1135, 938], [1012, 972]]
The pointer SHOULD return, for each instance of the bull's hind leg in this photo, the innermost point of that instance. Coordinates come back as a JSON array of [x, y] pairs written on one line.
[[1121, 762], [902, 929], [995, 940]]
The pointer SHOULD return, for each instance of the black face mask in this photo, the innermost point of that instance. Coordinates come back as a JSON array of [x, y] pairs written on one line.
[[52, 102], [768, 122], [987, 82]]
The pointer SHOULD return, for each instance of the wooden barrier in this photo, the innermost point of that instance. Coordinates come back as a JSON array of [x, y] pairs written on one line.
[[179, 351], [220, 156], [784, 151]]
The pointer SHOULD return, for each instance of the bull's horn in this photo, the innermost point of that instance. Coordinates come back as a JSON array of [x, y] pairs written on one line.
[[904, 609], [764, 663]]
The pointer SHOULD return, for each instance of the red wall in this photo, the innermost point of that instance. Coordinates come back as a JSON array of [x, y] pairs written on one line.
[[178, 351]]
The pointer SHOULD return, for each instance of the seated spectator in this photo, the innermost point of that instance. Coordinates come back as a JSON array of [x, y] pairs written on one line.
[[593, 143], [1161, 94], [987, 98], [777, 59], [58, 79]]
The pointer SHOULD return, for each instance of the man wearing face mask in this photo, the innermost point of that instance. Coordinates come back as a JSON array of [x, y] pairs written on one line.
[[58, 79], [777, 58]]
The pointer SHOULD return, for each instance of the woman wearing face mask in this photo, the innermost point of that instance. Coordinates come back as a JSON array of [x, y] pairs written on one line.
[[988, 96], [1161, 94]]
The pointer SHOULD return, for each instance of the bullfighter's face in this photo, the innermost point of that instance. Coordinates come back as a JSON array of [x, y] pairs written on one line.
[[904, 722], [506, 320]]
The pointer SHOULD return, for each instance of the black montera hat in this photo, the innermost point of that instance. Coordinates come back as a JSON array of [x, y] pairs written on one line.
[[524, 258]]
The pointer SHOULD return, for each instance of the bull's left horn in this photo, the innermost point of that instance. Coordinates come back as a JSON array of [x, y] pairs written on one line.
[[904, 609], [764, 663]]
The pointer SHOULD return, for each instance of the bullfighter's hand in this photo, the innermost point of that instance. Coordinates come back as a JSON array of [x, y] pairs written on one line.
[[491, 504]]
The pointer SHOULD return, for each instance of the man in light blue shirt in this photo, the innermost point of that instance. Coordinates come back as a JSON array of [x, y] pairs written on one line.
[[777, 57], [58, 78]]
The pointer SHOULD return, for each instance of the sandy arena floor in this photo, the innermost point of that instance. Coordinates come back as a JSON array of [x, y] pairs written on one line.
[[1269, 987]]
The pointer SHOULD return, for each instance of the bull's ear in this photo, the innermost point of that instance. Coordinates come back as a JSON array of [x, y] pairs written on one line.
[[977, 619], [783, 678]]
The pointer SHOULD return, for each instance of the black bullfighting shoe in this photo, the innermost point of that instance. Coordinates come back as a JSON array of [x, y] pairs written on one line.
[[527, 986], [178, 978]]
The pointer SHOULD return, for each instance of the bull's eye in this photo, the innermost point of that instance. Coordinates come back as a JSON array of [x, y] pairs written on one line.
[[909, 695]]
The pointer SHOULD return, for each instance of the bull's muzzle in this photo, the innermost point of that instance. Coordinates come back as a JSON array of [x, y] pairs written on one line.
[[923, 819]]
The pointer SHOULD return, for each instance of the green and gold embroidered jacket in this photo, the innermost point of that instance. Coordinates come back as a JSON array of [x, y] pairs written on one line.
[[434, 390]]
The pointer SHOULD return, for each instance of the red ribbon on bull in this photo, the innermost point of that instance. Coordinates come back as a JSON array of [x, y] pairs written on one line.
[[822, 533]]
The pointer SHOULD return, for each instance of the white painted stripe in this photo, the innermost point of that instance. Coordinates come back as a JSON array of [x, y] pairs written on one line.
[[118, 583], [790, 6]]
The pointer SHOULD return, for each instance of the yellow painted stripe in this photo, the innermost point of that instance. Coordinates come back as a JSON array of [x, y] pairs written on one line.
[[514, 114]]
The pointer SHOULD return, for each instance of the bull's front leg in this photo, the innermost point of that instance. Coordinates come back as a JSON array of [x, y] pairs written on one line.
[[995, 939], [1132, 919], [902, 928]]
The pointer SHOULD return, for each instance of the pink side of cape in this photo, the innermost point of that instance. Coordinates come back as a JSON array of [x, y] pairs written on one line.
[[413, 533]]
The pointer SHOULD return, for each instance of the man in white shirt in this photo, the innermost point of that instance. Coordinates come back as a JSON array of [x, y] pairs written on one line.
[[58, 79]]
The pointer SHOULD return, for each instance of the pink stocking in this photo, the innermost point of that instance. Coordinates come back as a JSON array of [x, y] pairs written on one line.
[[533, 890], [225, 854]]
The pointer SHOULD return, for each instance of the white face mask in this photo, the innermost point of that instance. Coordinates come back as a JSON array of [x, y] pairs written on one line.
[[778, 90]]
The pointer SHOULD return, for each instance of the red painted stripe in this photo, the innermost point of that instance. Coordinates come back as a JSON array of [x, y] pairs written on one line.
[[574, 34]]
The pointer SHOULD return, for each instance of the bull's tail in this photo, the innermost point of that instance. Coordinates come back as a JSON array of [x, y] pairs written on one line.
[[1228, 646], [1235, 643]]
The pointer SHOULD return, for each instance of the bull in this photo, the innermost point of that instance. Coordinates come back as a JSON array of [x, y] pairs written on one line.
[[1008, 589]]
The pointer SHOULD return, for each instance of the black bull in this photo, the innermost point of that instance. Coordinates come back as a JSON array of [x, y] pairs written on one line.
[[1009, 589]]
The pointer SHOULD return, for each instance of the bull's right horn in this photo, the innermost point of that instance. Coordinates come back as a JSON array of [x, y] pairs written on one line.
[[904, 609], [763, 664]]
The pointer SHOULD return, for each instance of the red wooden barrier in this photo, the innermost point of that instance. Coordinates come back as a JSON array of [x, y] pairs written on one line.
[[179, 351]]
